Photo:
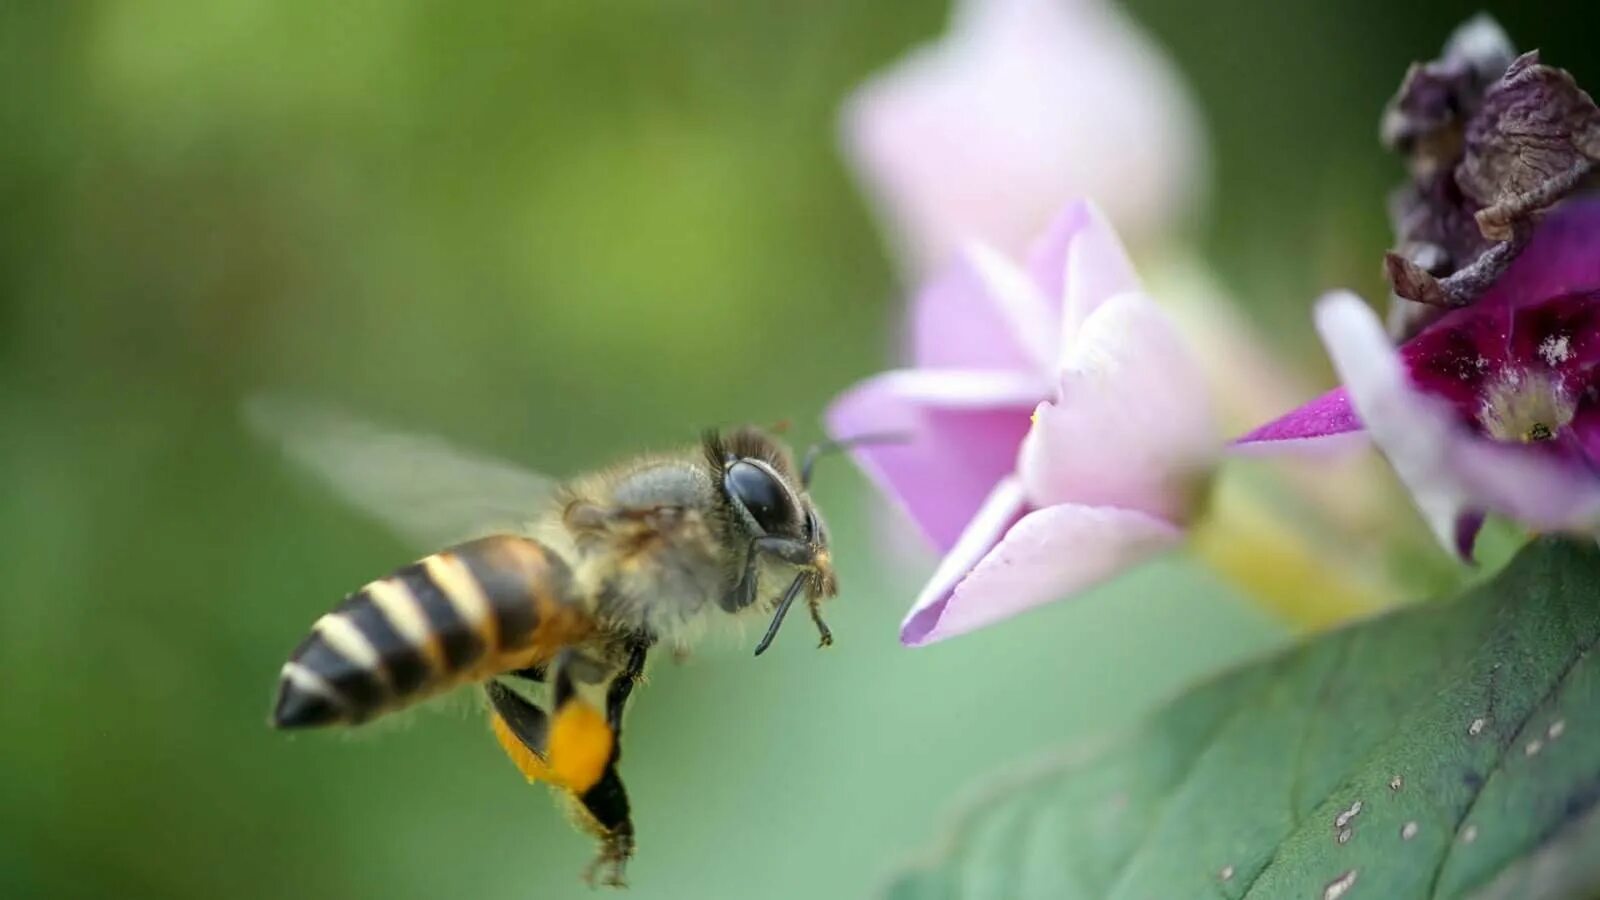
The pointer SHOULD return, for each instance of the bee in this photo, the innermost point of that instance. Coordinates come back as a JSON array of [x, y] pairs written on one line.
[[549, 596]]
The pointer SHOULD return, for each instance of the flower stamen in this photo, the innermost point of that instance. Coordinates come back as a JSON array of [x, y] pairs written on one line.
[[1525, 408]]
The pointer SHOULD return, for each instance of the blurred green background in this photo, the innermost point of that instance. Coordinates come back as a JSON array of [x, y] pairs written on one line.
[[559, 232]]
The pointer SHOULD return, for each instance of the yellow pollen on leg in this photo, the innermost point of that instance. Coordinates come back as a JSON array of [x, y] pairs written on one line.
[[527, 762], [579, 746]]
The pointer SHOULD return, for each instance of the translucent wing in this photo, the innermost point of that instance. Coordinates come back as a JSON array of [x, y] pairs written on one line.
[[425, 490]]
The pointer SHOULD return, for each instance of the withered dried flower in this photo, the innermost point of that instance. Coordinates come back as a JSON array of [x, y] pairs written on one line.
[[1491, 142]]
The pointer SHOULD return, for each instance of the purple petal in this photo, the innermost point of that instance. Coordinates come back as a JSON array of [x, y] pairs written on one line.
[[964, 428], [1327, 423], [1467, 353], [1449, 471], [1546, 491], [1468, 524], [1562, 258], [1584, 432], [1131, 426], [1009, 562], [1456, 356], [981, 313], [1561, 334]]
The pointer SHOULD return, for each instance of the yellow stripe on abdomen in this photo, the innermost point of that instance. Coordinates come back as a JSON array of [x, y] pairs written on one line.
[[394, 599], [342, 635], [465, 594]]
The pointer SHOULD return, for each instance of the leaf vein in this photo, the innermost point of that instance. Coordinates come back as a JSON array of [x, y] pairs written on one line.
[[1183, 779], [1347, 639]]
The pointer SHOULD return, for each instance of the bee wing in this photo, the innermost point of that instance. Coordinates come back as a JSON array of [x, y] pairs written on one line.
[[426, 490]]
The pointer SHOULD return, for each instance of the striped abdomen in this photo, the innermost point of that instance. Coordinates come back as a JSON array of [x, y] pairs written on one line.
[[475, 610]]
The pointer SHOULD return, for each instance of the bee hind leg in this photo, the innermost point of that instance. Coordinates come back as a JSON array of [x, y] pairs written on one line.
[[604, 806], [604, 812], [522, 730], [575, 749]]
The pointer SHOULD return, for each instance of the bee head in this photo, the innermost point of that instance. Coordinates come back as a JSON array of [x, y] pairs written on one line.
[[765, 495], [762, 490]]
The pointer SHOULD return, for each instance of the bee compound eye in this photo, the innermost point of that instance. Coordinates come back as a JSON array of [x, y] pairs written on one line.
[[759, 492]]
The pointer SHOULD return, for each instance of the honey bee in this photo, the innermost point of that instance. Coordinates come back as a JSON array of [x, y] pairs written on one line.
[[551, 596]]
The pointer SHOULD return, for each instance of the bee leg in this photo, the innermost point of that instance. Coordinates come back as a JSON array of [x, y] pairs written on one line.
[[605, 812], [605, 808], [535, 674], [621, 686], [789, 550], [521, 728], [581, 742], [571, 746], [559, 748], [825, 636]]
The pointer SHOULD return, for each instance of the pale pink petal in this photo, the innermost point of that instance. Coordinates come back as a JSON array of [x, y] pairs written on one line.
[[1002, 508], [1042, 556], [1047, 255], [980, 313], [1326, 424], [1019, 300], [1022, 106], [1098, 269], [1079, 262], [985, 311], [1132, 426], [962, 430]]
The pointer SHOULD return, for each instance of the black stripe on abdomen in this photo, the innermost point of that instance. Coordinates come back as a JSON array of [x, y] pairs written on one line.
[[458, 639], [361, 689], [509, 571], [403, 661]]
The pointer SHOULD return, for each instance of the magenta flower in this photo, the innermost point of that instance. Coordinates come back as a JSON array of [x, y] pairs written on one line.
[[1059, 427], [1493, 408], [1021, 107]]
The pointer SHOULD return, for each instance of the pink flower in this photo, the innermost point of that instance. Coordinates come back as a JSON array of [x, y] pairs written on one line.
[[1060, 429], [1023, 106], [1494, 407]]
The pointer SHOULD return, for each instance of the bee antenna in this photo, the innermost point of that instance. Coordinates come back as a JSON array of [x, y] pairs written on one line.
[[783, 610], [818, 450]]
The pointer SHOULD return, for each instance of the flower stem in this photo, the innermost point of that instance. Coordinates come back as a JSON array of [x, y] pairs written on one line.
[[1273, 559]]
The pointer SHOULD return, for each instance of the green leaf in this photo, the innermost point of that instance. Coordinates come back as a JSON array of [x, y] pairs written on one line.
[[1447, 750]]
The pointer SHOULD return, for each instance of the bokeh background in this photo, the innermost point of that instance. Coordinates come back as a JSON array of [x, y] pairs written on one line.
[[558, 232]]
